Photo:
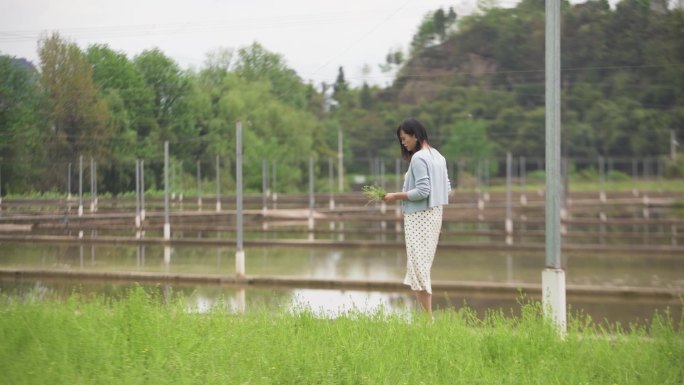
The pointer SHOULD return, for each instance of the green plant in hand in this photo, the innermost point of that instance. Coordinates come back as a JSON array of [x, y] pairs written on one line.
[[374, 194]]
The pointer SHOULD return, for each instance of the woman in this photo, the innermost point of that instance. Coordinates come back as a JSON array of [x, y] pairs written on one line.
[[426, 190]]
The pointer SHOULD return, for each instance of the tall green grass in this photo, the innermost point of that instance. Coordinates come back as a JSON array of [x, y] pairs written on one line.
[[144, 339]]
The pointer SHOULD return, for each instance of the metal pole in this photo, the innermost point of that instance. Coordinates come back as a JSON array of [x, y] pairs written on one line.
[[218, 184], [239, 251], [142, 189], [509, 219], [553, 276], [137, 193], [331, 177], [383, 204], [398, 187], [173, 179], [264, 184], [167, 225], [602, 178], [340, 161], [95, 184], [523, 181], [199, 187], [69, 182], [673, 146], [92, 184], [80, 185], [180, 189], [311, 197]]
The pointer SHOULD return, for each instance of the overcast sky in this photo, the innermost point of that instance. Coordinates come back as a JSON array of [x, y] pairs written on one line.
[[314, 36]]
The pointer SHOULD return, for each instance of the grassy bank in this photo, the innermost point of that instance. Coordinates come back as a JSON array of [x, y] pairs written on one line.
[[142, 339]]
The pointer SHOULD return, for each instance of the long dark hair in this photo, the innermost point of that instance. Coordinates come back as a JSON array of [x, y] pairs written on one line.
[[412, 126]]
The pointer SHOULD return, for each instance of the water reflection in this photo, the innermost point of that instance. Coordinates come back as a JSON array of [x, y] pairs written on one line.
[[348, 263]]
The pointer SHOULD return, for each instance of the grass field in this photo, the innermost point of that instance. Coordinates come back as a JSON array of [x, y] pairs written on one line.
[[144, 339]]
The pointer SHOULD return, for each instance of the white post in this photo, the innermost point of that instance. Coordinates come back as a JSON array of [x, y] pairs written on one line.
[[330, 187], [340, 161], [95, 184], [142, 190], [602, 179], [311, 199], [673, 146], [218, 184], [80, 185], [397, 187], [137, 194], [331, 183], [167, 224], [199, 187], [553, 276], [180, 188], [68, 182], [509, 201], [239, 251], [172, 164], [523, 181], [264, 186]]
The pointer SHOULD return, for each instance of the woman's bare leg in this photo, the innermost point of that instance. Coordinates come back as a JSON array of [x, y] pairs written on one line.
[[425, 300]]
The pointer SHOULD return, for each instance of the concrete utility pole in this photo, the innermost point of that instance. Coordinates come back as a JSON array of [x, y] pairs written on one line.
[[142, 189], [239, 251], [218, 184], [509, 200], [80, 185], [340, 162], [167, 224], [673, 146], [199, 187], [553, 276], [69, 182], [137, 194], [312, 202]]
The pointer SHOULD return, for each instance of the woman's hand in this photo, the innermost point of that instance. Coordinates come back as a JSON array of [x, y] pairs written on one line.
[[392, 197]]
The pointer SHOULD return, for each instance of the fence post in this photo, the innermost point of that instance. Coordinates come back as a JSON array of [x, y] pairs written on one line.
[[142, 190], [137, 196], [239, 251], [331, 203], [199, 187], [167, 224], [311, 199], [523, 181], [80, 185], [218, 184], [69, 181], [509, 201]]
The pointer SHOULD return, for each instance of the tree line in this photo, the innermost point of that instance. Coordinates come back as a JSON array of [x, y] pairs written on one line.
[[477, 82]]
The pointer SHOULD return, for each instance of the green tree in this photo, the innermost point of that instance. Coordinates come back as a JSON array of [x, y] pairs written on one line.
[[22, 125], [468, 140], [340, 86], [130, 104], [79, 117], [255, 63]]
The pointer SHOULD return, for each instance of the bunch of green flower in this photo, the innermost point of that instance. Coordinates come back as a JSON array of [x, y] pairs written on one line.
[[373, 193]]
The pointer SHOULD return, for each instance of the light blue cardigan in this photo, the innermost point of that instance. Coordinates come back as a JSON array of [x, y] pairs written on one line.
[[426, 182]]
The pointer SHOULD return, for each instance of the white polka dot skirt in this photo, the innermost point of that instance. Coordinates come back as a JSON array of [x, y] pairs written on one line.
[[421, 231]]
